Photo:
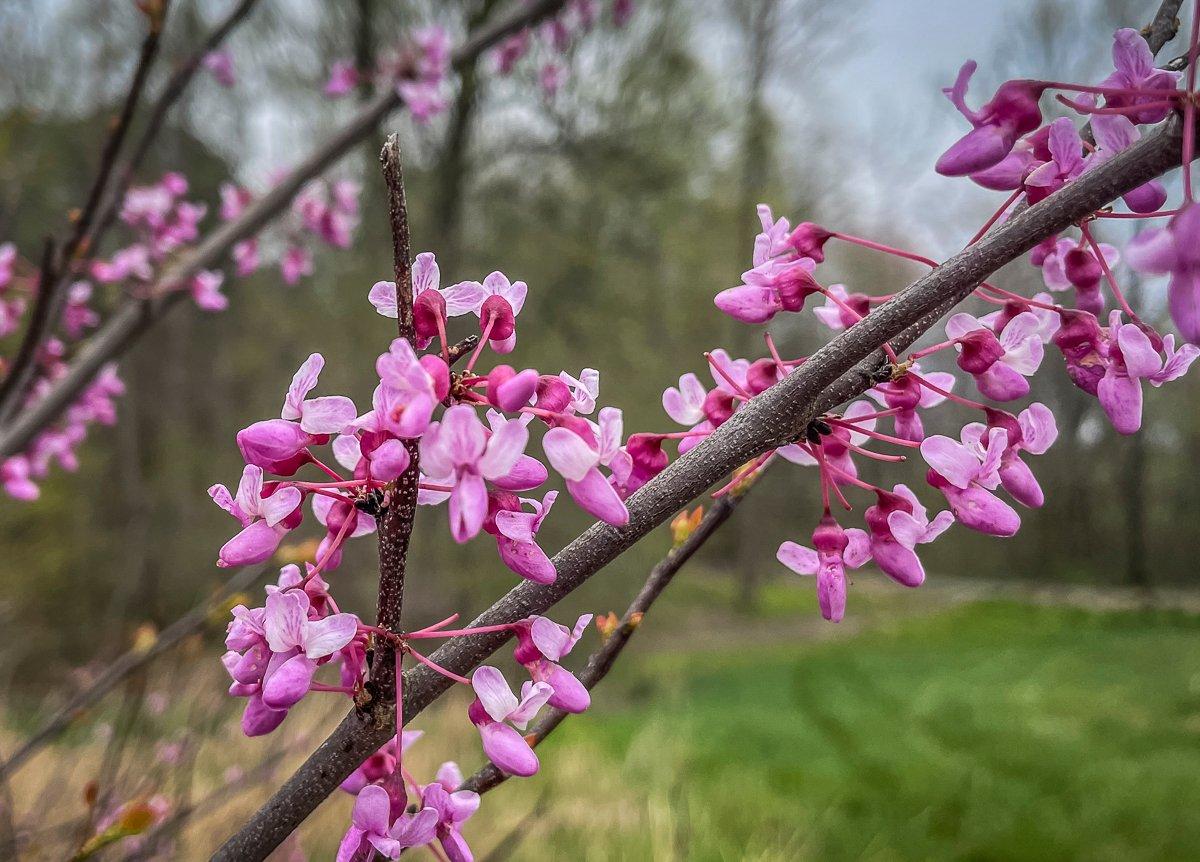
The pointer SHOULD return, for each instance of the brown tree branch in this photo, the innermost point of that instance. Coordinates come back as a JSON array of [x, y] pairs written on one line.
[[135, 316], [400, 504], [601, 661], [838, 371], [52, 287]]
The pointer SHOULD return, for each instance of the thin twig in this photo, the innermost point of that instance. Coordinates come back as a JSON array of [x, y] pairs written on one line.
[[46, 310]]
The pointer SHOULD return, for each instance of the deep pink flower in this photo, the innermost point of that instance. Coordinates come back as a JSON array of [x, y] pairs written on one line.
[[1174, 249], [832, 313], [1066, 161], [577, 454], [459, 452], [1000, 365], [454, 807], [1012, 112], [300, 643], [967, 477], [909, 395], [497, 301], [14, 475], [1071, 264], [496, 704], [330, 414], [219, 64], [768, 288], [381, 764], [262, 518], [516, 534], [1034, 431], [1131, 359], [1114, 134], [835, 550], [896, 524], [372, 828], [296, 263], [1135, 70], [541, 645], [409, 389], [206, 291], [343, 78]]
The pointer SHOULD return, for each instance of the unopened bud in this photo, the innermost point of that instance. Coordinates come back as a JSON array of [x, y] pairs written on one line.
[[684, 524], [606, 624]]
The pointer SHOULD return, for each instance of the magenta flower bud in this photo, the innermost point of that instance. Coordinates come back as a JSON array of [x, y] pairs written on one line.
[[1079, 339], [429, 309], [1147, 198], [718, 406], [898, 562], [649, 459], [277, 446], [497, 312], [1045, 248], [809, 240], [795, 285], [510, 390], [761, 375], [437, 369], [552, 394], [980, 351], [389, 460], [1082, 268]]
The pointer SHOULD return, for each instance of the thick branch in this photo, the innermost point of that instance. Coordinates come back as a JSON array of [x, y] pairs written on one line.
[[837, 372], [135, 316], [1165, 25], [602, 660]]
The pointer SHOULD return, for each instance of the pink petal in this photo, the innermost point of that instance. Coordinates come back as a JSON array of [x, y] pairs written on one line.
[[801, 560], [493, 692], [508, 749], [327, 636], [288, 683], [303, 382], [468, 507], [598, 498], [383, 296], [569, 453]]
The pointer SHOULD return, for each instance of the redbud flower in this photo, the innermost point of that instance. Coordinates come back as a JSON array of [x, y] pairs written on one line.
[[296, 263], [999, 365], [327, 415], [454, 808], [1132, 358], [372, 829], [261, 518], [458, 451], [908, 395], [834, 551], [343, 78], [1115, 133], [835, 315], [300, 642], [768, 288], [897, 523], [497, 302], [1073, 265], [516, 535], [967, 477], [577, 455], [1135, 70], [495, 704], [219, 64], [14, 474], [1174, 249], [1012, 112], [409, 389], [1034, 431], [381, 764], [206, 291], [1066, 161], [541, 645]]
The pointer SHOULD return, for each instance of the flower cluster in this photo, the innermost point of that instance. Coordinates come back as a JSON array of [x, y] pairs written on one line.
[[1008, 149], [418, 70]]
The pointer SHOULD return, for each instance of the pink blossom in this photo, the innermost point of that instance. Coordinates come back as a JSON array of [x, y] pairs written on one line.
[[329, 414], [897, 523], [1133, 358], [770, 287], [1116, 133], [577, 453], [550, 78], [835, 315], [343, 78], [1175, 250], [454, 807], [459, 452], [1071, 264], [516, 533], [909, 395], [78, 316], [409, 390], [372, 828], [541, 645], [496, 704], [835, 550], [967, 476], [1001, 365], [381, 764], [206, 291], [219, 64], [1034, 431], [1066, 161], [264, 517], [497, 302], [14, 475], [296, 263], [1135, 70], [1012, 112]]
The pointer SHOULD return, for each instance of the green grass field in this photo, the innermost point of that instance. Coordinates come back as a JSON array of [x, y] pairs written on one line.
[[990, 730]]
